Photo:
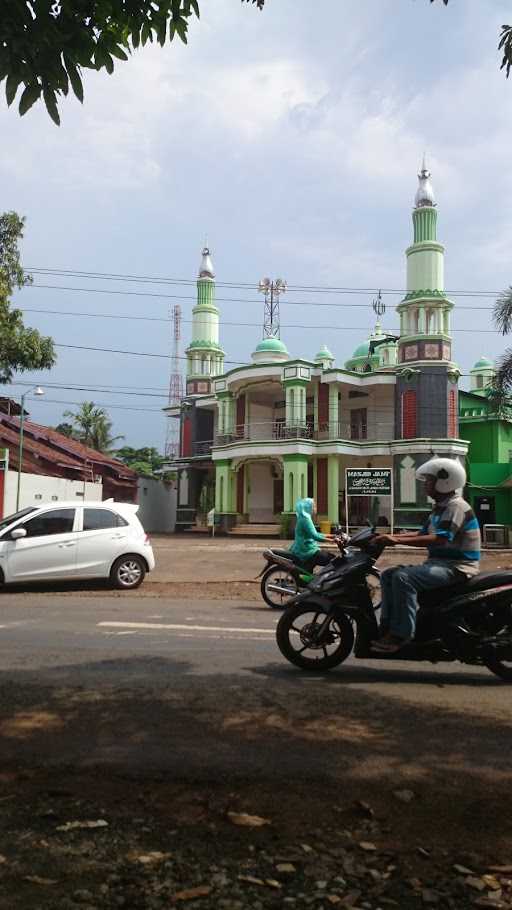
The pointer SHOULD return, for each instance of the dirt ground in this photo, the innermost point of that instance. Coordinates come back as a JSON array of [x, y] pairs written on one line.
[[230, 567]]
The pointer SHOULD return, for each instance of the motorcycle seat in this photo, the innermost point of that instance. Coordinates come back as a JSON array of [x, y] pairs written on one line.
[[477, 583]]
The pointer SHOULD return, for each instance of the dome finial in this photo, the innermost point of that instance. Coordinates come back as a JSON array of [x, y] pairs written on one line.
[[206, 267], [425, 192]]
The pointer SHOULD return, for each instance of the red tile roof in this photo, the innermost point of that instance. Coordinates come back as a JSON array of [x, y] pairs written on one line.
[[56, 448]]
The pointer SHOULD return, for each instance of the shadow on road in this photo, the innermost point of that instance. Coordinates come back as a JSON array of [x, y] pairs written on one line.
[[389, 674]]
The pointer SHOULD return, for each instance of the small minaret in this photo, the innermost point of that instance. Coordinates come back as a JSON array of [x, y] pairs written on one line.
[[205, 357], [482, 376]]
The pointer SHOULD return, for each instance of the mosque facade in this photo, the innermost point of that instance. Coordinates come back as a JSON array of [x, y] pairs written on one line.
[[255, 438]]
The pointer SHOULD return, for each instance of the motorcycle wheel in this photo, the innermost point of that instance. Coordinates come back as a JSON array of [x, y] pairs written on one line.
[[282, 578], [295, 636], [501, 668]]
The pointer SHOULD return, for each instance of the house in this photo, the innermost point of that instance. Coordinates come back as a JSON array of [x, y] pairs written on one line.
[[56, 467], [287, 425]]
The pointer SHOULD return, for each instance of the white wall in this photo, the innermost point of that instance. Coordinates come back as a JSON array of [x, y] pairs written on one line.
[[380, 406], [157, 505], [260, 420], [37, 489]]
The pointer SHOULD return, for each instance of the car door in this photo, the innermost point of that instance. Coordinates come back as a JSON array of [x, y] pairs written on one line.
[[104, 536], [48, 550]]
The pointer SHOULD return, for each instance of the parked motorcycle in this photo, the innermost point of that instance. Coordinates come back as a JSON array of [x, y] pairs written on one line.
[[469, 622]]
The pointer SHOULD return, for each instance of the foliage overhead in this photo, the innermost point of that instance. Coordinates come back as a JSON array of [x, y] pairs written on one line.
[[505, 45], [92, 426], [21, 348], [45, 44]]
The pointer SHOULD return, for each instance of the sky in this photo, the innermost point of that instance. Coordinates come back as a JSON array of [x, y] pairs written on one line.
[[290, 139]]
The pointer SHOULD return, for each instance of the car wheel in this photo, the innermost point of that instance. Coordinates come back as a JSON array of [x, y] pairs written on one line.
[[128, 572]]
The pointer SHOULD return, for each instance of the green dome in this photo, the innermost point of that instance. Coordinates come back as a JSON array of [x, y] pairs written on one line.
[[324, 354], [272, 344], [483, 364], [362, 350]]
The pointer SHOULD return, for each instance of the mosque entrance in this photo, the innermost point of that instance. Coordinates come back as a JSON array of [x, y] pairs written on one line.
[[261, 493]]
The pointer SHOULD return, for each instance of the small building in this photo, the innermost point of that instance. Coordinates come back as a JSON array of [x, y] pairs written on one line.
[[489, 433], [287, 425]]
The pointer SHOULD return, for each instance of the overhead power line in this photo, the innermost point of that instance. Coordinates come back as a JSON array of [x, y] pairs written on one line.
[[288, 325], [319, 289], [309, 303]]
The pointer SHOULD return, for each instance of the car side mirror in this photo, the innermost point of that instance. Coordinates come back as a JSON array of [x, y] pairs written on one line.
[[18, 533]]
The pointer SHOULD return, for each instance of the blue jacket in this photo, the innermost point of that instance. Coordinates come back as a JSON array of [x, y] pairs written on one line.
[[306, 540]]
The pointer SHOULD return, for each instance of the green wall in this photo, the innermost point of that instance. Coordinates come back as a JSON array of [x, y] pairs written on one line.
[[484, 480]]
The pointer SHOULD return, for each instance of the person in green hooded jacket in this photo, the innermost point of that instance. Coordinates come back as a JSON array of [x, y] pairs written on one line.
[[305, 547]]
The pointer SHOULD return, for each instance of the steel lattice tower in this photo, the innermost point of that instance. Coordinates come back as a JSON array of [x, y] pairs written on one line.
[[172, 438]]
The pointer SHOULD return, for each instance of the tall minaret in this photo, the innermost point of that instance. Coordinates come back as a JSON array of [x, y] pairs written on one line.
[[426, 405], [425, 310], [205, 357]]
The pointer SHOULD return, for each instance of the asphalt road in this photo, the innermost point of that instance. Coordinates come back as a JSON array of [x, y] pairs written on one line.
[[110, 639], [197, 692]]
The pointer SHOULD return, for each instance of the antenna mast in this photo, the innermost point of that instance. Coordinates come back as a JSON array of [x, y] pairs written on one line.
[[172, 439]]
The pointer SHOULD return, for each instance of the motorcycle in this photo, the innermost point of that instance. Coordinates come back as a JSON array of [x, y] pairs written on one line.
[[469, 621], [284, 576]]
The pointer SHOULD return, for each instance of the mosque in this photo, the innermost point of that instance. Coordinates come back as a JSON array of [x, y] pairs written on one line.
[[255, 438]]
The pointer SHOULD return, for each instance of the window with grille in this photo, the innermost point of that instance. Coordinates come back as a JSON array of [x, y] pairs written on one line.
[[452, 413], [409, 415]]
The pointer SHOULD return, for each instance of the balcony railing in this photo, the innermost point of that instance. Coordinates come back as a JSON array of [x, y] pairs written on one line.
[[271, 430], [202, 448]]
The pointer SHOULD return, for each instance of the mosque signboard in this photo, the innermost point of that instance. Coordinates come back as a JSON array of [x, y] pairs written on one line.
[[369, 482], [375, 482]]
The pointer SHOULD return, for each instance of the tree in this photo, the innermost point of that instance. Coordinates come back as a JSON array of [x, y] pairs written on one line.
[[21, 348], [501, 388], [92, 426], [145, 461], [44, 44], [65, 429]]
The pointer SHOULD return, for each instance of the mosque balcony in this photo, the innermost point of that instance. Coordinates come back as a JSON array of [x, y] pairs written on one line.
[[355, 428]]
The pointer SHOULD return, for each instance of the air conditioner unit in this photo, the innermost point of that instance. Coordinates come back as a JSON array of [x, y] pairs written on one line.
[[495, 536]]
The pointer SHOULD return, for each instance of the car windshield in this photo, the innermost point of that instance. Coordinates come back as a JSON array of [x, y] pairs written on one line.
[[10, 519]]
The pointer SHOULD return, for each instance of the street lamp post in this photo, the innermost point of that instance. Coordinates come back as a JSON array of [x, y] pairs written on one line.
[[37, 390]]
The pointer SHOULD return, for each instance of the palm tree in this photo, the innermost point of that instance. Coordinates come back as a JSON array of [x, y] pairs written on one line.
[[501, 388], [92, 426]]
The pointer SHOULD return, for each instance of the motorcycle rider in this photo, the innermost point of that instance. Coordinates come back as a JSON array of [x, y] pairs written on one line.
[[452, 536], [305, 549]]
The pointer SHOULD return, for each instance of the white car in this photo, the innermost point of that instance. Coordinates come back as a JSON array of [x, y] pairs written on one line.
[[65, 540]]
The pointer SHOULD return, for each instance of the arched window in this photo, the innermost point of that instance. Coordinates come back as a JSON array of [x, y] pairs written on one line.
[[203, 365], [292, 406], [292, 497], [221, 495], [302, 494]]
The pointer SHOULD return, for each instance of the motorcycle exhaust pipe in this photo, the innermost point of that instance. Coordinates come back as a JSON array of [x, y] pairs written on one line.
[[279, 589]]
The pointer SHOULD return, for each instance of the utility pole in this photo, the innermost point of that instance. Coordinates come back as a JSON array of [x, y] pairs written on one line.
[[272, 291], [175, 387]]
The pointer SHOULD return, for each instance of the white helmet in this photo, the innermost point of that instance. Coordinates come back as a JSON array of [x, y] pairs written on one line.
[[448, 474]]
